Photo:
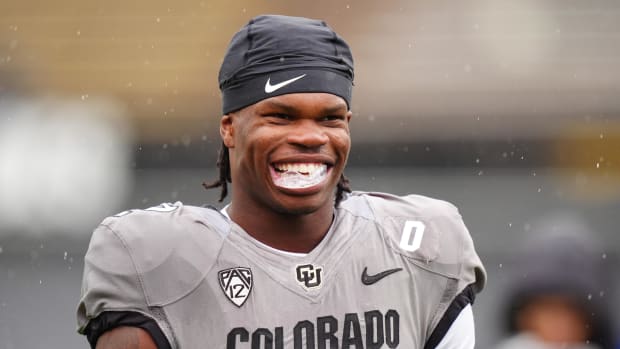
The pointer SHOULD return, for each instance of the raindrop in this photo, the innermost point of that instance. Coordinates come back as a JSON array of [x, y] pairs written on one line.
[[501, 265], [84, 97], [204, 137], [590, 296], [65, 256], [509, 225], [539, 190], [78, 33], [158, 20], [477, 160], [165, 146], [40, 282], [604, 256], [598, 165], [601, 294], [480, 173], [600, 136], [348, 6]]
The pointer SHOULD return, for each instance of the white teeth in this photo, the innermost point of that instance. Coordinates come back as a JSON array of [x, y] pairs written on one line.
[[305, 168], [296, 175]]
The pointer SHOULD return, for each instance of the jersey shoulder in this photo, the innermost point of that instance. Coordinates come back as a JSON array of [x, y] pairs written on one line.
[[428, 231], [146, 258]]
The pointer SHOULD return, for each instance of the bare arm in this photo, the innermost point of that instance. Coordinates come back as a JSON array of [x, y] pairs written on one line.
[[126, 338]]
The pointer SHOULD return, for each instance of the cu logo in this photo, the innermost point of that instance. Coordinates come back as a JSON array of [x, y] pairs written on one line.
[[415, 229], [309, 275]]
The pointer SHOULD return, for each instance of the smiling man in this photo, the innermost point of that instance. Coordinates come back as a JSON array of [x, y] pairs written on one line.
[[296, 260]]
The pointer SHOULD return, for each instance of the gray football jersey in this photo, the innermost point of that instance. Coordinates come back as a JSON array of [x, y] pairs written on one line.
[[385, 276]]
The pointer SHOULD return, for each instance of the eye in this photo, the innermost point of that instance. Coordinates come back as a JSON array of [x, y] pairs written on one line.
[[333, 118], [282, 116], [278, 118]]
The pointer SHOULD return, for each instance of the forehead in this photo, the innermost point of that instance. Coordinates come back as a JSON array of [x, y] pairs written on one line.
[[304, 102]]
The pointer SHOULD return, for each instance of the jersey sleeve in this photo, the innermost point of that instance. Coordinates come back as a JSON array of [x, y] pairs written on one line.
[[458, 261], [139, 261], [431, 234], [110, 280], [112, 292]]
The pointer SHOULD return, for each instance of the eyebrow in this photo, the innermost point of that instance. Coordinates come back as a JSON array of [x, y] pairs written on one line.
[[291, 109]]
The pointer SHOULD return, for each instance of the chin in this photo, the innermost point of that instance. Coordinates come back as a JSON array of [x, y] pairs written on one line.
[[296, 206]]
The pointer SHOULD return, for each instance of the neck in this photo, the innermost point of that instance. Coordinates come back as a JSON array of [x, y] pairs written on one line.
[[287, 232]]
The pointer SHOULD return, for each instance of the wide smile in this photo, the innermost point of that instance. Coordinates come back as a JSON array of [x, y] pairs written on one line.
[[299, 175]]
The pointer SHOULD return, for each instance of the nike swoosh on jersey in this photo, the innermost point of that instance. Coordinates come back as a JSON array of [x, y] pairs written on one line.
[[371, 279], [271, 88]]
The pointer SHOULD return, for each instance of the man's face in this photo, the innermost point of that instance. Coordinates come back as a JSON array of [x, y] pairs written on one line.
[[288, 152]]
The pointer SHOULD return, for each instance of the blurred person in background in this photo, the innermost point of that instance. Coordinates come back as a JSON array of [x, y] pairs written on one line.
[[297, 260], [558, 291]]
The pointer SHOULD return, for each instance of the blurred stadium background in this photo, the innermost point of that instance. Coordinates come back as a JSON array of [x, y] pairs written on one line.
[[509, 109]]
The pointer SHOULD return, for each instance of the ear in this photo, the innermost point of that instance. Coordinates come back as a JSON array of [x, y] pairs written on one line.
[[227, 131], [349, 115]]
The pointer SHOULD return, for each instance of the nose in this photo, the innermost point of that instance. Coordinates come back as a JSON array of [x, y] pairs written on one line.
[[307, 134]]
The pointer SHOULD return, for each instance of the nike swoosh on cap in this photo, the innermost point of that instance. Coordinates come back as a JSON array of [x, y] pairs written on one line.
[[269, 88]]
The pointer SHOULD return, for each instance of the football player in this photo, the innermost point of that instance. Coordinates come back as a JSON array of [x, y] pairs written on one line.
[[296, 260]]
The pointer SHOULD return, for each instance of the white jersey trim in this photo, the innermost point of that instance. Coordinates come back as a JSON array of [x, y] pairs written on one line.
[[461, 334]]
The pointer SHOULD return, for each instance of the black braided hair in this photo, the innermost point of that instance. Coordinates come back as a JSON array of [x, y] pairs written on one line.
[[223, 164]]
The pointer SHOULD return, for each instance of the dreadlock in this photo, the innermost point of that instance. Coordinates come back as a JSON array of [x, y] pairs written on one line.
[[223, 164]]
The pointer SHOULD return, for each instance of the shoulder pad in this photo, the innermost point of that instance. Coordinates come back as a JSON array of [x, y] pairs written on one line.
[[428, 231], [172, 247]]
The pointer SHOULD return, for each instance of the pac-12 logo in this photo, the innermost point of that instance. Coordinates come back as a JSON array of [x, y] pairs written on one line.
[[308, 275], [236, 284]]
